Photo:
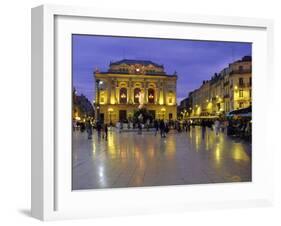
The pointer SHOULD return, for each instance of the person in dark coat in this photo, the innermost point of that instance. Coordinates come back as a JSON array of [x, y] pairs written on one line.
[[99, 129], [89, 130], [203, 126], [156, 126], [162, 128]]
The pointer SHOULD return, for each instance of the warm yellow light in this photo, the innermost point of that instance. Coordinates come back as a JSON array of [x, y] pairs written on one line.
[[123, 95], [112, 100], [161, 100], [77, 118], [163, 109], [150, 96], [235, 87], [110, 109]]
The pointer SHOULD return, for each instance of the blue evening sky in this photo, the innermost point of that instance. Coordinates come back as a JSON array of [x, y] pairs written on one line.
[[194, 61]]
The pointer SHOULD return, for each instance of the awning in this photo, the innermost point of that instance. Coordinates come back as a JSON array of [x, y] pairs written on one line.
[[203, 117], [243, 112]]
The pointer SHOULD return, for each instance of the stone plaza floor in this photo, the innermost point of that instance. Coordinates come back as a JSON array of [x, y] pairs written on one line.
[[129, 159]]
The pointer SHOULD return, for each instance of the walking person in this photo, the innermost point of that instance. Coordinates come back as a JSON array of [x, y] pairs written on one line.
[[99, 129], [140, 128], [217, 127], [89, 130], [105, 131], [185, 125], [82, 127], [166, 129], [203, 127], [162, 128], [156, 126]]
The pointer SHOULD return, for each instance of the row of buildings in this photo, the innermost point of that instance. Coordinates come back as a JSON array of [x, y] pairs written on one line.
[[82, 108], [229, 90], [120, 89]]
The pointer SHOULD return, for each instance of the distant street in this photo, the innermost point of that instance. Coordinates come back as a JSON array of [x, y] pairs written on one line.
[[129, 159]]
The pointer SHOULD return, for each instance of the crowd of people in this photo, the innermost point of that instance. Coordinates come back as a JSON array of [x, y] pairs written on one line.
[[232, 127], [102, 129]]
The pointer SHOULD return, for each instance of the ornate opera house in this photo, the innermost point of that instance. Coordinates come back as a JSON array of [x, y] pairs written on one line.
[[119, 90]]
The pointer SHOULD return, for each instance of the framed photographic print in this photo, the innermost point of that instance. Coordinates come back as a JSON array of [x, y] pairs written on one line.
[[137, 112]]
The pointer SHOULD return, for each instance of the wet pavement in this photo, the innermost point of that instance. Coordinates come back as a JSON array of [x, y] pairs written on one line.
[[130, 160]]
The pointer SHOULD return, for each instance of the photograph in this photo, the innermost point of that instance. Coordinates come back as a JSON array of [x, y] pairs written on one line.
[[160, 112]]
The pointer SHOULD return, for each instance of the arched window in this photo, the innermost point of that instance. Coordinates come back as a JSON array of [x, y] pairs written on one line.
[[151, 96], [123, 96], [137, 95]]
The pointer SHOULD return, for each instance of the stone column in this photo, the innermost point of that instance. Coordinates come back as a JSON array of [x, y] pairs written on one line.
[[157, 91], [130, 91], [115, 91], [108, 81], [164, 93], [145, 91]]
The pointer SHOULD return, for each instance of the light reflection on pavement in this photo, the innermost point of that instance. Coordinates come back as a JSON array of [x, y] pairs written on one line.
[[129, 159]]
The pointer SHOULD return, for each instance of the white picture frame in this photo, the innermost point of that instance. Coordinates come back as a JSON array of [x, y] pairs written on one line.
[[52, 197]]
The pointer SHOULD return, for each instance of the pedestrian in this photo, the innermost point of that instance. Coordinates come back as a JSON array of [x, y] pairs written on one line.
[[82, 127], [217, 126], [105, 131], [166, 129], [185, 126], [156, 126], [89, 130], [162, 128], [188, 125], [99, 129], [140, 128], [203, 127]]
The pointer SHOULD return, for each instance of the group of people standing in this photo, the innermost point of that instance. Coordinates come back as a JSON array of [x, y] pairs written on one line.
[[241, 128], [102, 129], [162, 126]]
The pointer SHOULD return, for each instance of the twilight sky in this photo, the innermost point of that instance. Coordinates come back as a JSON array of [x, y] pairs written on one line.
[[194, 61]]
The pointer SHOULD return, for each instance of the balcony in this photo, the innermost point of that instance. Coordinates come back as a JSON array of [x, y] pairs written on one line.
[[244, 85], [244, 71]]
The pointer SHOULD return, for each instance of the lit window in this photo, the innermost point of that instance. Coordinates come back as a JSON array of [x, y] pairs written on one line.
[[151, 96], [240, 93], [137, 95], [241, 82], [123, 96]]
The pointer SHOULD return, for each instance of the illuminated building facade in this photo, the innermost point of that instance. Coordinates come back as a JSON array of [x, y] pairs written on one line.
[[124, 83], [229, 90]]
